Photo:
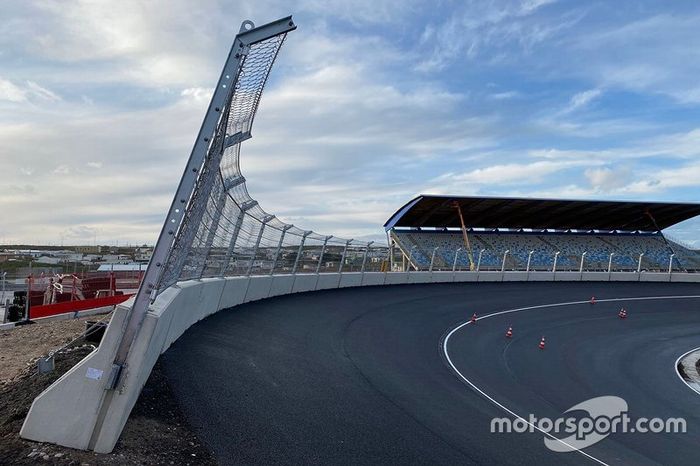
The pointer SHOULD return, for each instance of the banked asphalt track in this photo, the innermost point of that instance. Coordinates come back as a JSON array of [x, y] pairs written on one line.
[[360, 376]]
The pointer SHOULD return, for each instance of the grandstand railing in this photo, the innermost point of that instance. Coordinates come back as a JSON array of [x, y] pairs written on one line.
[[456, 260]]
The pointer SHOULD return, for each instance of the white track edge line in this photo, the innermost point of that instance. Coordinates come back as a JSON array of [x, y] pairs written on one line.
[[679, 374], [454, 368]]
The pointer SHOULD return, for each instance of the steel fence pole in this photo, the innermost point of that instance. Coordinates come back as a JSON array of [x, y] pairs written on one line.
[[279, 248], [478, 262], [299, 251], [432, 258], [364, 257], [670, 264], [454, 262], [503, 265], [342, 258], [323, 250], [234, 236], [257, 242]]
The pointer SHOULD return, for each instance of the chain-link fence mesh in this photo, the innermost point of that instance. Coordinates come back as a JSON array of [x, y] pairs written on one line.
[[224, 232]]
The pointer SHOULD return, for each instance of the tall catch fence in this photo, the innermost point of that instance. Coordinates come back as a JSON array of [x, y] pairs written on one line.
[[214, 227]]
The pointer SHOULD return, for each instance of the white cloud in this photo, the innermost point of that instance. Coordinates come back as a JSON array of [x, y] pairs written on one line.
[[605, 179], [583, 98], [11, 92]]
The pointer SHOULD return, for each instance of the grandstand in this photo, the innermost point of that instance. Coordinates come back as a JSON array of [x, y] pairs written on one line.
[[485, 233]]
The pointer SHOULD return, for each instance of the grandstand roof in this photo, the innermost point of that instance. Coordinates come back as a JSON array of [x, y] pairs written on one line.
[[509, 212]]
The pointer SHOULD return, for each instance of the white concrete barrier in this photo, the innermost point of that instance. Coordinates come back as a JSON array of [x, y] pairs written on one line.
[[79, 412]]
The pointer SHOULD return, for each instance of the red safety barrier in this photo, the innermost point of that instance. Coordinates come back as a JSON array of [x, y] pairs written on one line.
[[72, 306]]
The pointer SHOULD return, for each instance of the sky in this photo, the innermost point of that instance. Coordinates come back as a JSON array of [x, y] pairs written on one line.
[[369, 104]]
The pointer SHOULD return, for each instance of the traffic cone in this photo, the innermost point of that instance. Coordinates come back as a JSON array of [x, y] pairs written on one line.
[[473, 319], [622, 314], [542, 343], [509, 333], [592, 300]]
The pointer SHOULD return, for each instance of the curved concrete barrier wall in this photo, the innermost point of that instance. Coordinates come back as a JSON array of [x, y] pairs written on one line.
[[77, 411]]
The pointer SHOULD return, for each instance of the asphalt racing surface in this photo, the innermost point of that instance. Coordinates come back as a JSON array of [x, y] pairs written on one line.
[[365, 376]]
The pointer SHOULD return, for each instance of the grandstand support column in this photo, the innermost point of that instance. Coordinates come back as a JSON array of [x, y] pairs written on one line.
[[556, 259], [279, 248], [478, 261], [583, 257], [364, 257], [257, 243], [432, 258], [299, 251], [503, 264], [323, 250], [639, 264], [454, 262], [345, 253]]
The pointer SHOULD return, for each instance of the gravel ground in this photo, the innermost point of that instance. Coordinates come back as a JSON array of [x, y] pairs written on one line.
[[155, 434]]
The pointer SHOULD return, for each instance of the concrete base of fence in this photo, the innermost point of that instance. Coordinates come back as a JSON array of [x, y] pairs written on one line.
[[77, 411]]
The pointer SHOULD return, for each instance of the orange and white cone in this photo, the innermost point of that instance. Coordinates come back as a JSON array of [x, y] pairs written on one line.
[[509, 333], [541, 345], [473, 319], [592, 301], [622, 314]]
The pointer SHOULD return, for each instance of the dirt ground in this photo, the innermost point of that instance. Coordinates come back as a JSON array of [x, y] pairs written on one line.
[[22, 345], [155, 434]]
